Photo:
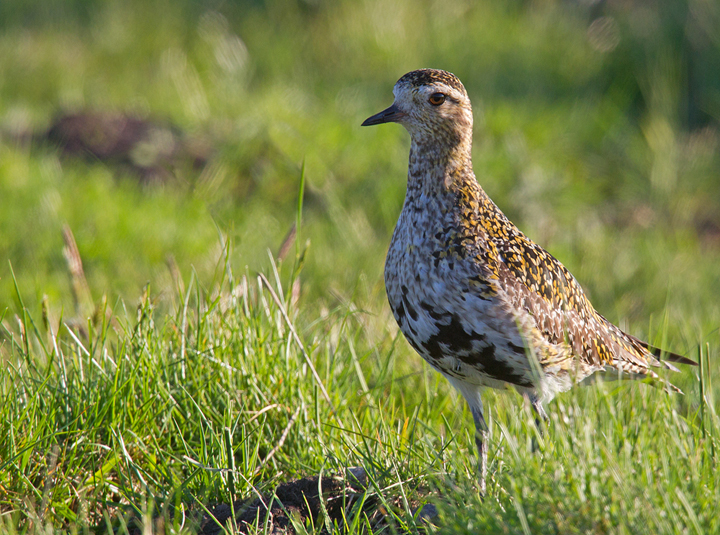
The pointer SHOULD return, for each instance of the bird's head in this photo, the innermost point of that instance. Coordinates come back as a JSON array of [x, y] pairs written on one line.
[[432, 105]]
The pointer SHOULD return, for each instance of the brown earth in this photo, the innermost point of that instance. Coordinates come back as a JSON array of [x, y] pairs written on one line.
[[309, 504]]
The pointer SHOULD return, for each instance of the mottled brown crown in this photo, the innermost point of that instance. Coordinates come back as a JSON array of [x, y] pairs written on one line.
[[431, 76]]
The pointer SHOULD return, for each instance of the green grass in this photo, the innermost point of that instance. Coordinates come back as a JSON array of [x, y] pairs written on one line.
[[178, 357], [120, 421]]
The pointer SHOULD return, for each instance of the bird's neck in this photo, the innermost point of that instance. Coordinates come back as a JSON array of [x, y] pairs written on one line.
[[436, 169]]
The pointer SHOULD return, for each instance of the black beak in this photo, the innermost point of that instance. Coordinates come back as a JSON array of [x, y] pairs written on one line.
[[390, 115]]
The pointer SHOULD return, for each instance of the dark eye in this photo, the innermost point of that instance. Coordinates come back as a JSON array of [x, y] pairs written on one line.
[[436, 99]]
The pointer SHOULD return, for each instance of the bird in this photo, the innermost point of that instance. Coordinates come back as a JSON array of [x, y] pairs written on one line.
[[474, 296]]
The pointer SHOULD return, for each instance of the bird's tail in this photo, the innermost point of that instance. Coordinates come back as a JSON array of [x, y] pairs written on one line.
[[667, 356], [664, 358]]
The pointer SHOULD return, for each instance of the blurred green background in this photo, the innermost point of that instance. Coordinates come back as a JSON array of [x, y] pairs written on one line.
[[596, 132]]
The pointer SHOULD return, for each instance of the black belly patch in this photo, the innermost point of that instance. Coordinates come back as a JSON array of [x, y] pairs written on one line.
[[452, 335], [498, 368], [457, 342]]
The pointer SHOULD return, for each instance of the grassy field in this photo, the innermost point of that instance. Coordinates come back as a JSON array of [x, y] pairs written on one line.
[[205, 352]]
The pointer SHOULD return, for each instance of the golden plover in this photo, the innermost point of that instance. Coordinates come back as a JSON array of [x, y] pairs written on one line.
[[476, 298]]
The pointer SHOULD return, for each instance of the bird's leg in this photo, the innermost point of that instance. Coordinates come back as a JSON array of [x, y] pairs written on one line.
[[481, 436], [540, 417]]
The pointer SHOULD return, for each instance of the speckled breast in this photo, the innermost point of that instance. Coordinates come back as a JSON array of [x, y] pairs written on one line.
[[445, 307]]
